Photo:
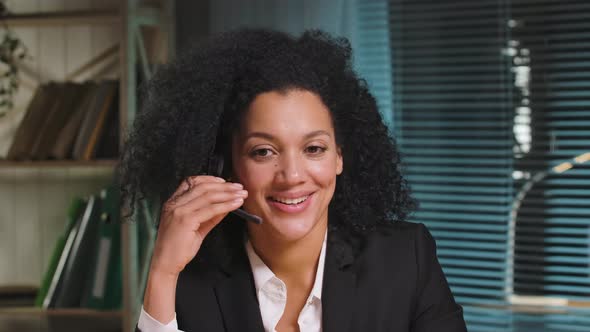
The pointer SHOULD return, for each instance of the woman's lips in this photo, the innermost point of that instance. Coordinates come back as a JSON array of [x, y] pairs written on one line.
[[291, 208]]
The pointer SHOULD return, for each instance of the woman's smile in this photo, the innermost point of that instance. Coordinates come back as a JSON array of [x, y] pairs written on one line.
[[291, 205]]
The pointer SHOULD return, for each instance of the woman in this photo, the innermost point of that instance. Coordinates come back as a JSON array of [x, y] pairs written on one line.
[[306, 151]]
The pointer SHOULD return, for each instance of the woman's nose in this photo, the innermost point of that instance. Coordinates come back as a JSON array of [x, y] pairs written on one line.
[[291, 169]]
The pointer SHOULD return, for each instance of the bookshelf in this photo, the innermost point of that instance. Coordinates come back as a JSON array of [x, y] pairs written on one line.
[[144, 36], [73, 17]]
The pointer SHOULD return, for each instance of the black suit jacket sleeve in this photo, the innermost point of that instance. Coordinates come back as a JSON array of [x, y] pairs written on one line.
[[435, 308]]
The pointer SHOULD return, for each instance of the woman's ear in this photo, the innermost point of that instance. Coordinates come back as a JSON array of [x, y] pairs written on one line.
[[339, 162]]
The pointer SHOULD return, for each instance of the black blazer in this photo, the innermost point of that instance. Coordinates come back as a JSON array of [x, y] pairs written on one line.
[[391, 281]]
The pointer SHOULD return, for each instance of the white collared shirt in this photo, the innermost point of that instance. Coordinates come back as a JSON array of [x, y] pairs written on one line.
[[272, 298], [272, 294]]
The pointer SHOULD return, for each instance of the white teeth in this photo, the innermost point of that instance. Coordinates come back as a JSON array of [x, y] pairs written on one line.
[[291, 201]]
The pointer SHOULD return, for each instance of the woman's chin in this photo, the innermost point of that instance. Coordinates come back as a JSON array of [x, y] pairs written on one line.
[[289, 230]]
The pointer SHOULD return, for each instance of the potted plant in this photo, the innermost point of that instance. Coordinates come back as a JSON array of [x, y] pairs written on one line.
[[12, 50]]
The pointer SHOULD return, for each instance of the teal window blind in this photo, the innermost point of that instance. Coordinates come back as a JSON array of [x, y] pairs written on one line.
[[372, 52], [453, 115], [489, 96], [552, 44]]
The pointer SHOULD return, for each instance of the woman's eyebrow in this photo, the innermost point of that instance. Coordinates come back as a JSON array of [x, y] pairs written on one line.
[[270, 137], [316, 133], [260, 135]]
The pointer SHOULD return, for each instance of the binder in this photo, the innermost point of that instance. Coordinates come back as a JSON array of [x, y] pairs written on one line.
[[77, 264], [103, 290], [74, 211]]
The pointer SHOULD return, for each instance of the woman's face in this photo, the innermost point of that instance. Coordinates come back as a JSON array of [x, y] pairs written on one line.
[[285, 155]]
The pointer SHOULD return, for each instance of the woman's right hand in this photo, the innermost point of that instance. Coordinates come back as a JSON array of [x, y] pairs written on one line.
[[186, 219], [188, 216]]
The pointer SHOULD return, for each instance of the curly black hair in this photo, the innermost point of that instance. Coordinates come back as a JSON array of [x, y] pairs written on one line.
[[193, 104]]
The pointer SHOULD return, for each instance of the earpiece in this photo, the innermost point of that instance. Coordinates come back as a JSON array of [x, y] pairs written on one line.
[[216, 163], [215, 168]]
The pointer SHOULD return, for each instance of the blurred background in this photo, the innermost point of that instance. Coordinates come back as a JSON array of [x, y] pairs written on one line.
[[489, 101]]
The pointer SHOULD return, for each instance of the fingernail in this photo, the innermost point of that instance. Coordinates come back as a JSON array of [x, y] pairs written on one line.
[[239, 201], [242, 193], [237, 185]]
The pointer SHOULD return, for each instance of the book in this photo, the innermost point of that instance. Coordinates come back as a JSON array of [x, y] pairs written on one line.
[[94, 121], [74, 211], [57, 114], [69, 121], [67, 100], [62, 148], [32, 121]]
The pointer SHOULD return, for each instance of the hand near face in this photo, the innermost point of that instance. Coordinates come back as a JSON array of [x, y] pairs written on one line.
[[188, 216]]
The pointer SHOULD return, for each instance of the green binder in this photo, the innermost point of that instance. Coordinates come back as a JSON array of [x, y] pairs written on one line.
[[74, 211], [103, 290]]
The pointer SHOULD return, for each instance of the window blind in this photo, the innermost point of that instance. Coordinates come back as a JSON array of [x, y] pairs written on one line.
[[551, 47], [453, 115], [490, 95], [372, 53]]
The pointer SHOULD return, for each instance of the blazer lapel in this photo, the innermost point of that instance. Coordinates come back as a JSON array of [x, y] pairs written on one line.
[[238, 303], [339, 286], [236, 296]]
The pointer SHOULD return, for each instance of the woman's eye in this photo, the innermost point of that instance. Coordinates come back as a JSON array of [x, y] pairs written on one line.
[[314, 149], [261, 153]]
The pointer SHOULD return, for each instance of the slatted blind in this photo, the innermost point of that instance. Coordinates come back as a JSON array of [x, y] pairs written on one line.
[[552, 255], [372, 52], [490, 95], [453, 114]]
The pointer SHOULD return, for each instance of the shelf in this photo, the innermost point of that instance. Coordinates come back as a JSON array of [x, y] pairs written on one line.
[[17, 295], [71, 312], [28, 319], [144, 15], [103, 163], [17, 288], [94, 17]]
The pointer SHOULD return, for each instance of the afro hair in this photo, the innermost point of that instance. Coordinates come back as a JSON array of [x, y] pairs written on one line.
[[192, 104]]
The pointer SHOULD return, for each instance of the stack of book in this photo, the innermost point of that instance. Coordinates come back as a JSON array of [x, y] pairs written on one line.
[[78, 121], [85, 267]]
